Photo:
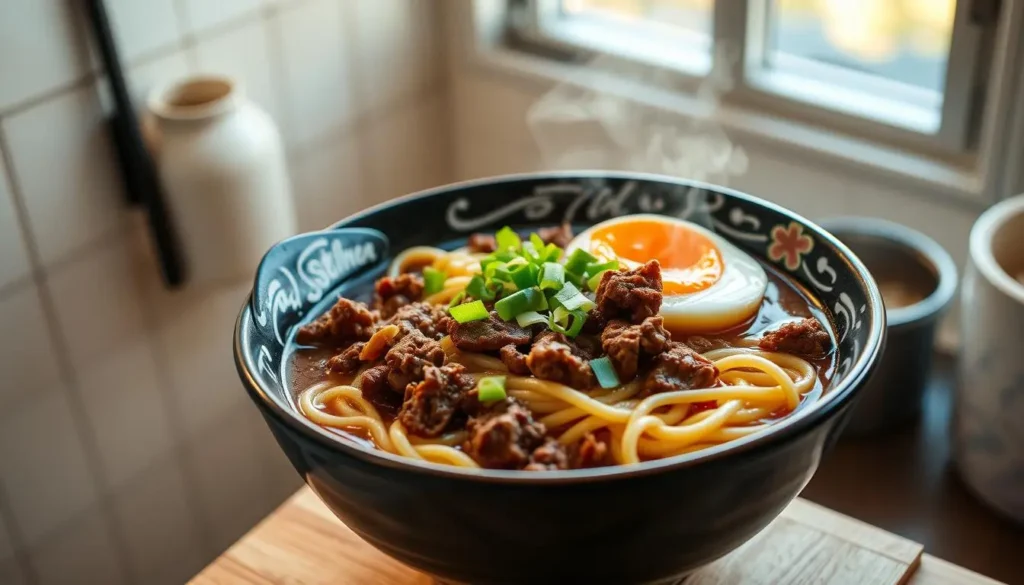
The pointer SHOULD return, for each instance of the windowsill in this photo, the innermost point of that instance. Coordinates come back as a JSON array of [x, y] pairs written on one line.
[[818, 146]]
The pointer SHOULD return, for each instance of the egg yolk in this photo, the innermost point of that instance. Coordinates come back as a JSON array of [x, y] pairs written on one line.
[[690, 261]]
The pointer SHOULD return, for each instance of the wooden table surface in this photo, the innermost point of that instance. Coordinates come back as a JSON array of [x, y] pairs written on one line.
[[905, 483], [303, 543]]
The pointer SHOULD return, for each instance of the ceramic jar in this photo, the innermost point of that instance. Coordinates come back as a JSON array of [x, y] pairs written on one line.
[[224, 174], [989, 411]]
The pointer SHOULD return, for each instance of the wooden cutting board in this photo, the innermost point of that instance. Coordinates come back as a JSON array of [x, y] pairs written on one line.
[[303, 543]]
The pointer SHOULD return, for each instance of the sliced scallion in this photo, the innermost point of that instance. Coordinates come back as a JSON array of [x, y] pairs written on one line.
[[433, 280], [597, 267], [507, 239], [552, 253], [605, 372], [478, 289], [578, 261], [491, 389], [531, 318], [595, 281], [525, 276], [529, 299], [568, 322], [457, 299], [464, 313], [552, 276], [538, 243], [572, 299]]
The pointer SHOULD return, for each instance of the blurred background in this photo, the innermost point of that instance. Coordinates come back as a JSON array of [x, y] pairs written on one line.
[[129, 452]]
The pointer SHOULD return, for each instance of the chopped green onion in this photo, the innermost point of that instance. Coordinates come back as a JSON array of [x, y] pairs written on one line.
[[572, 299], [478, 289], [507, 239], [536, 241], [531, 318], [552, 276], [595, 281], [457, 299], [433, 280], [551, 253], [530, 251], [498, 271], [605, 372], [578, 261], [491, 389], [560, 314], [529, 299], [574, 278], [525, 276], [499, 256], [467, 312], [595, 268]]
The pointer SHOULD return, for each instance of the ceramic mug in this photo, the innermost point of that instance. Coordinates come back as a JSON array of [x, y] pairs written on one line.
[[989, 413]]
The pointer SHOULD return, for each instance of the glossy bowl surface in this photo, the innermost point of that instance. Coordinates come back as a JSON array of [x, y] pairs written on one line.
[[650, 523]]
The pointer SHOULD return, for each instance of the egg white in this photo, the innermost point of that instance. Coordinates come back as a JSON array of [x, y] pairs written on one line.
[[734, 298]]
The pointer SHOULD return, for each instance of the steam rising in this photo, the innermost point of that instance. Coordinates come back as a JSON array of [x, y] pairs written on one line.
[[593, 120]]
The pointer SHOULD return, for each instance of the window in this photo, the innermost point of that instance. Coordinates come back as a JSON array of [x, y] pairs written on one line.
[[905, 72]]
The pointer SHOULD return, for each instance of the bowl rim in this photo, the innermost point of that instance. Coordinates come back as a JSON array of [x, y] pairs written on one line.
[[835, 400], [927, 250]]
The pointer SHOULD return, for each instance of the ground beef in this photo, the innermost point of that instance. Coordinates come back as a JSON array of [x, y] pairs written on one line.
[[559, 236], [489, 334], [347, 321], [624, 343], [393, 292], [430, 320], [553, 357], [633, 295], [407, 359], [589, 452], [679, 368], [376, 389], [550, 456], [431, 403], [346, 362], [595, 323], [514, 360], [482, 243], [504, 436], [806, 338]]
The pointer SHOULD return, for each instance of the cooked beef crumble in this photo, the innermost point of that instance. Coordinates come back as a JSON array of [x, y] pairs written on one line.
[[679, 368], [504, 436], [805, 338], [625, 343], [489, 334], [554, 357], [632, 295], [431, 403], [346, 322], [393, 293]]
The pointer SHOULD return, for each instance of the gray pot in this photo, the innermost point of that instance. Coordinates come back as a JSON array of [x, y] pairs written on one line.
[[913, 269]]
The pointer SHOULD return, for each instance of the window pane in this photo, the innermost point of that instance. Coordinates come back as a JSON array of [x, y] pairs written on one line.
[[904, 41], [690, 16]]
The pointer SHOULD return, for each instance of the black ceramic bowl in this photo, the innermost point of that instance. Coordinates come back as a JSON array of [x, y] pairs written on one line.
[[653, 522]]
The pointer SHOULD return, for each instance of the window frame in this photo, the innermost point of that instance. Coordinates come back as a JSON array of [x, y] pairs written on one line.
[[744, 24], [501, 36]]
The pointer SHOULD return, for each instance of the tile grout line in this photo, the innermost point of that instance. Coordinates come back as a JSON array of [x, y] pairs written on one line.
[[65, 369]]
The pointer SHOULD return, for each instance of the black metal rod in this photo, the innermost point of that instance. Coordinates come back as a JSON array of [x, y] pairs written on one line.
[[140, 177]]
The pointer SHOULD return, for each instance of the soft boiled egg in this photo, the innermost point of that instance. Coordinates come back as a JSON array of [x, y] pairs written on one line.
[[709, 284]]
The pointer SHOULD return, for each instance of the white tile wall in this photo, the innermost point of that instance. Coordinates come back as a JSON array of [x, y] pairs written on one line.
[[78, 201], [244, 53], [21, 311], [317, 65], [82, 551], [201, 15], [128, 451], [45, 472], [43, 48], [14, 264]]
